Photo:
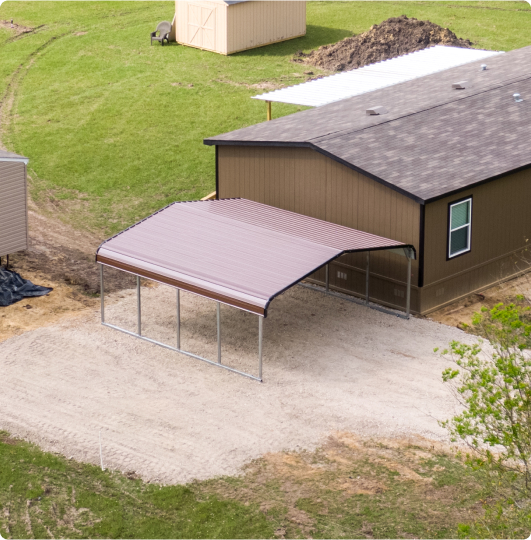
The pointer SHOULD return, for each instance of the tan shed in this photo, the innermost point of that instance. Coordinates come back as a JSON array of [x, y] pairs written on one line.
[[13, 203], [229, 26]]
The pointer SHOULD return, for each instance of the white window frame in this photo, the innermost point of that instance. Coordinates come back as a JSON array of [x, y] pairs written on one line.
[[450, 230]]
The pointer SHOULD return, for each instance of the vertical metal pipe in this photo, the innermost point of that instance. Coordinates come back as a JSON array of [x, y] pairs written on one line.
[[178, 319], [138, 307], [268, 110], [219, 332], [260, 339], [367, 278], [327, 277], [408, 293], [102, 295]]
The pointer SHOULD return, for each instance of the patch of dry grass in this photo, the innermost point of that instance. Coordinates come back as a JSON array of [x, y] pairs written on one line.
[[356, 488]]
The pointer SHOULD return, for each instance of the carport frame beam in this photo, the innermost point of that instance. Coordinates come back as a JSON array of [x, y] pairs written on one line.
[[178, 348]]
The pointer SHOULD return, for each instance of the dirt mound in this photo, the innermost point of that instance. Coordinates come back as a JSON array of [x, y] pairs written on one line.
[[394, 37]]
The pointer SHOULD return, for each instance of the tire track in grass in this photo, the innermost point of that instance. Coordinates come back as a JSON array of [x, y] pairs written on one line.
[[7, 102]]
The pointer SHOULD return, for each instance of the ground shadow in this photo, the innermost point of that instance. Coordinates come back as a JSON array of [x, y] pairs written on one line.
[[314, 38]]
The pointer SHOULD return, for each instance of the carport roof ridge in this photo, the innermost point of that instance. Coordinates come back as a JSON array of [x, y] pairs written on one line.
[[433, 142], [235, 251]]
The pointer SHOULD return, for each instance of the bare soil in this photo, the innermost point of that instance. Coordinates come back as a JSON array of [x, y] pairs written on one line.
[[16, 28], [391, 38], [62, 258], [346, 465], [460, 313]]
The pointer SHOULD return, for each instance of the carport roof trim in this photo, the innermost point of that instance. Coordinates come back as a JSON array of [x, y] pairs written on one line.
[[10, 156], [235, 251]]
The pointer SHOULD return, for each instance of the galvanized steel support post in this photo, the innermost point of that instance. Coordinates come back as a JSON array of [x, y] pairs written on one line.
[[367, 278], [327, 277], [138, 308], [260, 339], [219, 331], [178, 348], [178, 318], [102, 295], [408, 293]]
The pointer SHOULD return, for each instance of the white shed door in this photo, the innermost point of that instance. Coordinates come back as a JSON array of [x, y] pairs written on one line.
[[202, 26]]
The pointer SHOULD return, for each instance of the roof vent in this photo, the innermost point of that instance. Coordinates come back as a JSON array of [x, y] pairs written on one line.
[[483, 67], [517, 98], [459, 85], [371, 111]]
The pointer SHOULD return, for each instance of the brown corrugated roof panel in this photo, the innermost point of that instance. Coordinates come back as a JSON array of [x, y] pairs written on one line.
[[235, 251]]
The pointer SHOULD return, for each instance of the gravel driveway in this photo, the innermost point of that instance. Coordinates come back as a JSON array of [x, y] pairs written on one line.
[[328, 365]]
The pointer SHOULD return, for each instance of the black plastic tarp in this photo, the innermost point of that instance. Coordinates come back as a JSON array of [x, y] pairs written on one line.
[[14, 288]]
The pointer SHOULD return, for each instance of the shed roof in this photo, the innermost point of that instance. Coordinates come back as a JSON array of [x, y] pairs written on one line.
[[434, 140], [235, 251], [10, 156], [374, 76]]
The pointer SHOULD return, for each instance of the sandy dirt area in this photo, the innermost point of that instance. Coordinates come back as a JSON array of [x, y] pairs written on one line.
[[328, 365]]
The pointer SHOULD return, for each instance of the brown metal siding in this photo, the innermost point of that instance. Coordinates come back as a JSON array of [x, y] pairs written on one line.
[[304, 181], [501, 223], [13, 208]]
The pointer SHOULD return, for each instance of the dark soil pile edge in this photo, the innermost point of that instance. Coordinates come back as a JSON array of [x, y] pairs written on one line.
[[392, 38]]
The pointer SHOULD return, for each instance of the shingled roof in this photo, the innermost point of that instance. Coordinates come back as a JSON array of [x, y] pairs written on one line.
[[433, 141]]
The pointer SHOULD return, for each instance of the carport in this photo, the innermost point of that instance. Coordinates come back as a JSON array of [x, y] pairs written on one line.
[[233, 251]]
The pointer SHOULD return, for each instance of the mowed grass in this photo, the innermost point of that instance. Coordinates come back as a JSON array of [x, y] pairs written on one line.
[[346, 489], [43, 495], [118, 124]]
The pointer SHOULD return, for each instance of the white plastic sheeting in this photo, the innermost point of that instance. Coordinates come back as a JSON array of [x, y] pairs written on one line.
[[376, 76]]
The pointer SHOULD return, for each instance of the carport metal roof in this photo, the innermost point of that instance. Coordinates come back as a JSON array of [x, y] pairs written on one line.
[[375, 76], [234, 251]]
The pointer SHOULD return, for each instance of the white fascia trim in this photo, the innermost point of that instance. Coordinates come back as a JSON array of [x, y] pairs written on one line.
[[16, 159]]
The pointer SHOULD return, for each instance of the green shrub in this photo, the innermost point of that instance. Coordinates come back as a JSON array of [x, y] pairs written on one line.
[[492, 382]]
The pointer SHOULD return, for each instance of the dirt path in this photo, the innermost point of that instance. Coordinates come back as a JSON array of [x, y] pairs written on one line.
[[328, 365]]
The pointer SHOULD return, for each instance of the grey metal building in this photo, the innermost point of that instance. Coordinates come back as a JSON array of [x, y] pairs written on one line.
[[13, 203]]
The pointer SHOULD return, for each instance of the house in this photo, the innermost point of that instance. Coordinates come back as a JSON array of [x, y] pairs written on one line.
[[442, 163], [229, 26], [13, 203]]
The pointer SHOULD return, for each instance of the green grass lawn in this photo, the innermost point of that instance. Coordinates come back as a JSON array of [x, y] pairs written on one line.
[[109, 120], [367, 490], [46, 496]]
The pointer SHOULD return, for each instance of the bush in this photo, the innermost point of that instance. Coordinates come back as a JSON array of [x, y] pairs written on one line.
[[492, 382]]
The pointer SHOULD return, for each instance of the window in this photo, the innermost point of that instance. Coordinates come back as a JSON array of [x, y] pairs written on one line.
[[460, 227]]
